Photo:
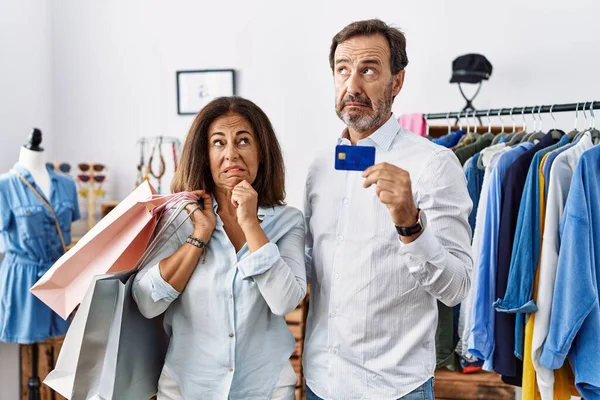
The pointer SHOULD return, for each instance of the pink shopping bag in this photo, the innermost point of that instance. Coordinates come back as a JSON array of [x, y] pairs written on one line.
[[114, 245]]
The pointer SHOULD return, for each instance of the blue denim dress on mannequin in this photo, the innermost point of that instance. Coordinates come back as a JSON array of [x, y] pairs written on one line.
[[31, 244]]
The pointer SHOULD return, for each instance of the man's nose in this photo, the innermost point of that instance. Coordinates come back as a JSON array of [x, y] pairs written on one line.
[[353, 84]]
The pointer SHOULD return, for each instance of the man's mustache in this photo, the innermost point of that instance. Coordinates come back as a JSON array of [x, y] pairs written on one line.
[[356, 99]]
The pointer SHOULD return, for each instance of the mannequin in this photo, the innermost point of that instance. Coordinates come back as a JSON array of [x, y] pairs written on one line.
[[37, 207], [32, 158]]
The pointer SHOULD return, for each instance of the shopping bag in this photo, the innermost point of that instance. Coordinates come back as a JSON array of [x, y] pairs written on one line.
[[114, 244], [111, 351]]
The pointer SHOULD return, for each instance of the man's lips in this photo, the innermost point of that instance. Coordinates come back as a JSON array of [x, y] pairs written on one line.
[[354, 104]]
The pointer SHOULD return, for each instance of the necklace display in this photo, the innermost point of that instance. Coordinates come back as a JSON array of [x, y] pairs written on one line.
[[156, 166]]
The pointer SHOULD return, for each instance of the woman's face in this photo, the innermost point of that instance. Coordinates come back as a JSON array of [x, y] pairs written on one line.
[[233, 150]]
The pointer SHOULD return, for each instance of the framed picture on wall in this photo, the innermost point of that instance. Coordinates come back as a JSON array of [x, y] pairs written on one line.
[[196, 88]]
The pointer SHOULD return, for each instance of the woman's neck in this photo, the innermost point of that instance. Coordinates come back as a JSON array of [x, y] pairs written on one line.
[[225, 207]]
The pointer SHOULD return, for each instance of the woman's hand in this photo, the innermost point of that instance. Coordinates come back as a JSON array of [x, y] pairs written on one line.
[[245, 199], [204, 218]]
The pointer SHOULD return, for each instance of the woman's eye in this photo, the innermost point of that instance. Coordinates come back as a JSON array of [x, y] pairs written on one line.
[[244, 141], [218, 143]]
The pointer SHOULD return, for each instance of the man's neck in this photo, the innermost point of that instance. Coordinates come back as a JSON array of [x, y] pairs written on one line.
[[355, 136]]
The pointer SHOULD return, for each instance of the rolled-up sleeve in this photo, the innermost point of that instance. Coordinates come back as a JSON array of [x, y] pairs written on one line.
[[440, 258], [151, 292], [278, 268]]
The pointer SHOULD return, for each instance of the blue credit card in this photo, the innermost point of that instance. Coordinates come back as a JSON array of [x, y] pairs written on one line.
[[354, 158]]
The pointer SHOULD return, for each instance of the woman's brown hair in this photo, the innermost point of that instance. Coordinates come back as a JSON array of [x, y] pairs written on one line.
[[193, 172]]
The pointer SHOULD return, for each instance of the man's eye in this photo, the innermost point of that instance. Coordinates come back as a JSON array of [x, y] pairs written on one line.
[[369, 71], [343, 71]]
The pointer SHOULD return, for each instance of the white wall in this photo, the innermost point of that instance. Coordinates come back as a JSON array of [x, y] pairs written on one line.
[[115, 63], [25, 102], [25, 76]]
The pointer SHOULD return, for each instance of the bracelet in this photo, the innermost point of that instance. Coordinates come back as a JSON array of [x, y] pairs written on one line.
[[199, 244]]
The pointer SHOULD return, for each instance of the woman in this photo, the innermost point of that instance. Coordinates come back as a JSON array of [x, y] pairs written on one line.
[[226, 279]]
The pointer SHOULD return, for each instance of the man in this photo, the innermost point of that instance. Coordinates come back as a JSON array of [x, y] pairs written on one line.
[[384, 245]]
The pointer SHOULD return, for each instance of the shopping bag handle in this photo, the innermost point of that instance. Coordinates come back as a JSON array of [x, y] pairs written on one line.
[[153, 245]]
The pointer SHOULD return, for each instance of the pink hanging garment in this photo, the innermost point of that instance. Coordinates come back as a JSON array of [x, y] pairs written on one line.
[[414, 123]]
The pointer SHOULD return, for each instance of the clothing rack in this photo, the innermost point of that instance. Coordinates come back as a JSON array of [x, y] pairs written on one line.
[[570, 107]]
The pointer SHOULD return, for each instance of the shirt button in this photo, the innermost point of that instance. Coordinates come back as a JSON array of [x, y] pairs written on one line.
[[231, 335], [230, 369], [332, 315], [336, 276], [345, 201], [230, 296], [53, 243], [341, 238]]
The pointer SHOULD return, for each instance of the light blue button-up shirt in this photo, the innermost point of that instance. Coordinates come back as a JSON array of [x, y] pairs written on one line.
[[229, 338], [575, 318]]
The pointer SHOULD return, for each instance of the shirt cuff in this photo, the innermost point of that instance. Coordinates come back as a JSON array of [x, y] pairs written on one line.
[[505, 307], [259, 262], [551, 359], [420, 250], [161, 289]]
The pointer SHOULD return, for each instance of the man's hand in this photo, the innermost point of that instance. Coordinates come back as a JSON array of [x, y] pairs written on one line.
[[394, 190]]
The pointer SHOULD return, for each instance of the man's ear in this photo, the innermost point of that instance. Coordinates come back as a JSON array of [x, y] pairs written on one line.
[[398, 82]]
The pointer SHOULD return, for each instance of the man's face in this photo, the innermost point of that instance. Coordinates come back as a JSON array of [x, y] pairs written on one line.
[[364, 84]]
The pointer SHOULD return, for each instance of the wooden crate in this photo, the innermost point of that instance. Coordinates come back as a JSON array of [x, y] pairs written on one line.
[[480, 385], [296, 321], [47, 355]]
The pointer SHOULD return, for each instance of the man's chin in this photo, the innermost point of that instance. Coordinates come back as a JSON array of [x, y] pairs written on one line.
[[357, 121]]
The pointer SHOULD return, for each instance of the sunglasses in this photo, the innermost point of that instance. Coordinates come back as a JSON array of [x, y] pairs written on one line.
[[65, 168], [85, 178], [85, 167]]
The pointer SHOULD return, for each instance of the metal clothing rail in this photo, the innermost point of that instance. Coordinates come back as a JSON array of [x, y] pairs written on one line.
[[583, 107]]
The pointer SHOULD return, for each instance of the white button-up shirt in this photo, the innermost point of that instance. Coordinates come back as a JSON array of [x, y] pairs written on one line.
[[372, 316]]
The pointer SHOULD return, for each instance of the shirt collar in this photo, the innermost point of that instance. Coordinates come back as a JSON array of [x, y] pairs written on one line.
[[382, 137]]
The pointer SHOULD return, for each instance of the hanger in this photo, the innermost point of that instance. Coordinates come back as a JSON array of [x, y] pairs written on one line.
[[489, 133], [510, 135], [517, 137], [586, 128], [595, 133], [539, 133], [502, 133], [571, 135], [556, 133]]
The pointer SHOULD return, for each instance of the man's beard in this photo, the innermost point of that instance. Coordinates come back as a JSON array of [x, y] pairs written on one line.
[[364, 122]]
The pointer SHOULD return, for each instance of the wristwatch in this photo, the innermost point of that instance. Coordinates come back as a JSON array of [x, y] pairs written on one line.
[[413, 230]]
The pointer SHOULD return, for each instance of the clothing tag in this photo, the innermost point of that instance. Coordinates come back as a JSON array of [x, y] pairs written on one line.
[[354, 158]]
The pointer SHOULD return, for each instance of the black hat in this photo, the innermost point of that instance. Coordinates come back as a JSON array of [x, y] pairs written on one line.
[[470, 68]]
